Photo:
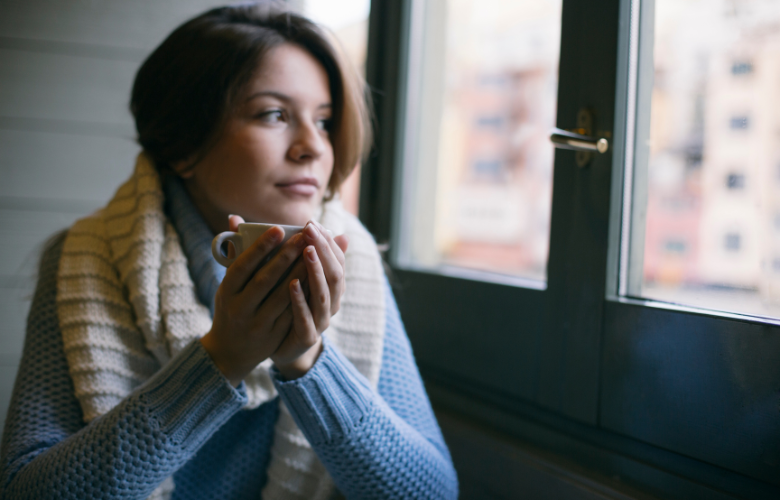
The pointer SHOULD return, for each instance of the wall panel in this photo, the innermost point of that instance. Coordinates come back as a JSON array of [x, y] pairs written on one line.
[[77, 168], [63, 87], [139, 23], [66, 134]]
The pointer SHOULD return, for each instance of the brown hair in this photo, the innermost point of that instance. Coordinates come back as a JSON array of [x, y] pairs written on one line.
[[186, 89]]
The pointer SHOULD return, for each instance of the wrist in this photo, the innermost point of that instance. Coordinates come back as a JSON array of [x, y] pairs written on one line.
[[301, 365], [221, 361]]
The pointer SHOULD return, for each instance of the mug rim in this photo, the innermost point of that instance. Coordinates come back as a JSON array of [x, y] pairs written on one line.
[[269, 226]]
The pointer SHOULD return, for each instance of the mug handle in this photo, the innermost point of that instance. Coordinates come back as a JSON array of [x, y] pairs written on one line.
[[219, 240]]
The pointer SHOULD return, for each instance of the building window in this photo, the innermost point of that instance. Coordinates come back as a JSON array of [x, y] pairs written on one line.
[[497, 81], [733, 242], [739, 123], [490, 168], [490, 122], [741, 68], [675, 246], [735, 181]]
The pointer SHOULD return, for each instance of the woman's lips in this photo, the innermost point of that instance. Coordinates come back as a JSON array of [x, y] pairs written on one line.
[[300, 187]]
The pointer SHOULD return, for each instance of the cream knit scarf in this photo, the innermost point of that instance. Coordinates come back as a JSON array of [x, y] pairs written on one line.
[[127, 305]]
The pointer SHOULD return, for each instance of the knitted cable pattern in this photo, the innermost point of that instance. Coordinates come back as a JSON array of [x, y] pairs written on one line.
[[127, 304]]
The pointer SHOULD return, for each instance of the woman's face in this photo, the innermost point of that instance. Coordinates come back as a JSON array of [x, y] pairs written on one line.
[[273, 161]]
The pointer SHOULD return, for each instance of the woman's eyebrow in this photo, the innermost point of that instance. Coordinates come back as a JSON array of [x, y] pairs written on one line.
[[269, 93], [281, 97]]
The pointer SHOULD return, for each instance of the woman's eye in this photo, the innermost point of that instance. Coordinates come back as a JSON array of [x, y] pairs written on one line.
[[272, 116], [324, 124]]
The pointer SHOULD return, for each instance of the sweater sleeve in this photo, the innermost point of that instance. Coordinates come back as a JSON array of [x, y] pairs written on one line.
[[375, 444], [47, 450]]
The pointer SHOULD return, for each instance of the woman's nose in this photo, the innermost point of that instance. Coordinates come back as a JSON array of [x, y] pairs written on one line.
[[308, 143]]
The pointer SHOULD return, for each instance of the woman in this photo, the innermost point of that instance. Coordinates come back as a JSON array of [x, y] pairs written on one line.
[[151, 372]]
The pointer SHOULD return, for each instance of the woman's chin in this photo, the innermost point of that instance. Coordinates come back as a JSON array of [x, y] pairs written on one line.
[[290, 216]]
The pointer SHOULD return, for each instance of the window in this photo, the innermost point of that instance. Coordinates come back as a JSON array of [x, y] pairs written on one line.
[[596, 309], [675, 246], [487, 168], [490, 122], [739, 123], [735, 181], [732, 242], [482, 101], [741, 68], [692, 93]]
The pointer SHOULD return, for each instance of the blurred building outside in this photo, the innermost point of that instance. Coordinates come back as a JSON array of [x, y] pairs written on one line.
[[712, 235], [493, 68], [494, 109]]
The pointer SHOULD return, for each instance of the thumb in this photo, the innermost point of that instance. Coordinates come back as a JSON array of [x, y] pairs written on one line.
[[342, 241], [234, 221]]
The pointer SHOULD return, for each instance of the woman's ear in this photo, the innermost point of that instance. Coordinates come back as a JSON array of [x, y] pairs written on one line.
[[184, 168]]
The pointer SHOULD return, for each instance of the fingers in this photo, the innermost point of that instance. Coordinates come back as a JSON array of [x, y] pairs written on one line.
[[279, 298], [332, 260], [334, 246], [267, 277], [234, 221], [239, 273], [281, 328], [303, 324], [319, 290], [342, 241], [303, 345]]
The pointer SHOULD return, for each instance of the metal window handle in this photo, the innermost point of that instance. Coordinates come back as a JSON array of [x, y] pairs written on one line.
[[580, 138], [578, 142]]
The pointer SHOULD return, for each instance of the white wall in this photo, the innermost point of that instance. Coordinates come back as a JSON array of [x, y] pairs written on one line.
[[66, 135]]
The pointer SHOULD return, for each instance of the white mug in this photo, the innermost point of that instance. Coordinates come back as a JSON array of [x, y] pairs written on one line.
[[247, 233]]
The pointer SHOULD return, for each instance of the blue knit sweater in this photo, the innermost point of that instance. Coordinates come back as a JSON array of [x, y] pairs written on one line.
[[187, 421]]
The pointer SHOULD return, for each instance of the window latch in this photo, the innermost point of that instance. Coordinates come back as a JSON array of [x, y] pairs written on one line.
[[580, 139]]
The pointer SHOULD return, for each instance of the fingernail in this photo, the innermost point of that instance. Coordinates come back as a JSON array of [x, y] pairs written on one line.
[[277, 235], [296, 285], [310, 231], [230, 215], [311, 254], [324, 229]]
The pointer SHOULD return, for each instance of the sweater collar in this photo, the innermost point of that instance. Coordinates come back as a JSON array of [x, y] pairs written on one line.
[[195, 235]]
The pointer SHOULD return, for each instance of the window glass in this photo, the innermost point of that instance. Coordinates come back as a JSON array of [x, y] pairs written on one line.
[[348, 21], [711, 236], [483, 79]]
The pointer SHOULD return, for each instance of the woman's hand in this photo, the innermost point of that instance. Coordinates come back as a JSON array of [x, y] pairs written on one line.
[[257, 316], [324, 259], [252, 313]]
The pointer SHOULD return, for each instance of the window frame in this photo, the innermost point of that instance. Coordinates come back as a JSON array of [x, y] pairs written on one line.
[[561, 379], [632, 321]]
